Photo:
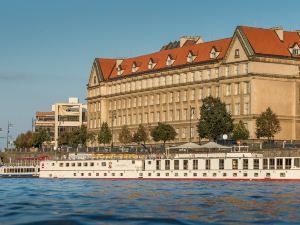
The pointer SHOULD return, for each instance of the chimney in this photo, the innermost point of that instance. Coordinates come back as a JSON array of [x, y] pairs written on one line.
[[196, 39], [279, 32]]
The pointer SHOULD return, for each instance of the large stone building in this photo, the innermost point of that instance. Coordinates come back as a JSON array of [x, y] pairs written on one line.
[[254, 69], [63, 118]]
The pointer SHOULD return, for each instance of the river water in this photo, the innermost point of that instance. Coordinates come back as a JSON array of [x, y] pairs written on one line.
[[45, 201]]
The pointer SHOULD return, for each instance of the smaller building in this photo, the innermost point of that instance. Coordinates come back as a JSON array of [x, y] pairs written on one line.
[[63, 118]]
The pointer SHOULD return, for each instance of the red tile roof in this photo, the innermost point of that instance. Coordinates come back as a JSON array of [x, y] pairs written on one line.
[[266, 41], [263, 41]]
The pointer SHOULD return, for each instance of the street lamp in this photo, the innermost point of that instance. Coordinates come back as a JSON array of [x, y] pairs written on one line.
[[192, 112], [113, 117]]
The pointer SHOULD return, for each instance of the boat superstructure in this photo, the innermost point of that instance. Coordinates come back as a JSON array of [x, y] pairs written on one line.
[[19, 171], [206, 166]]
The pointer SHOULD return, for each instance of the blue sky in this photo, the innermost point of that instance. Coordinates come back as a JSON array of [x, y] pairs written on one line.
[[47, 47]]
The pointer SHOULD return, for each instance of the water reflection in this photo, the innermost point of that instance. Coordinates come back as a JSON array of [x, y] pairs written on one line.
[[41, 201]]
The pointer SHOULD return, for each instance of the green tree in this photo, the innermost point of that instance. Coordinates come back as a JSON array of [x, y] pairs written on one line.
[[214, 119], [105, 135], [125, 136], [38, 138], [64, 138], [267, 124], [24, 140], [80, 136], [163, 132], [141, 135], [240, 132]]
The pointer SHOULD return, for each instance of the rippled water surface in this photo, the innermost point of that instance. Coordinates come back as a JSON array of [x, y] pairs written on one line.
[[43, 201]]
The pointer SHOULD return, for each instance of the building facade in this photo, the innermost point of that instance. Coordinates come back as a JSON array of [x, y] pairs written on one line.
[[63, 118], [254, 69]]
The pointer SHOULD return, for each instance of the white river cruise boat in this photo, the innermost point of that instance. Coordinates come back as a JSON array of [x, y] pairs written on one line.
[[200, 166]]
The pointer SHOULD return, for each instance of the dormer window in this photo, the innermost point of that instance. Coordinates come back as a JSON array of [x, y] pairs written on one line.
[[237, 53], [119, 70], [295, 49], [151, 64], [214, 53], [190, 57], [170, 60], [135, 67]]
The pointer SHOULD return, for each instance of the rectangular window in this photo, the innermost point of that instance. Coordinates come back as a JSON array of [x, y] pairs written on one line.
[[184, 96], [208, 74], [234, 164], [256, 164], [176, 164], [158, 99], [185, 164], [297, 162], [237, 89], [265, 164], [246, 108], [221, 164], [226, 71], [237, 109], [271, 164], [167, 165], [217, 72], [207, 164], [171, 97], [164, 98], [246, 87], [228, 89], [200, 93], [177, 96], [245, 164], [279, 164], [193, 94], [208, 91], [228, 108], [195, 164], [288, 164], [217, 91], [158, 163]]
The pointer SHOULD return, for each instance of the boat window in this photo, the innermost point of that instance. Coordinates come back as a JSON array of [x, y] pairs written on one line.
[[53, 164], [74, 174], [113, 174], [185, 174], [245, 164], [92, 164], [224, 174], [85, 164], [103, 164], [167, 164], [256, 164], [82, 174], [282, 174], [73, 164], [149, 162], [279, 164], [204, 174], [255, 174], [176, 174], [67, 164], [176, 164], [158, 164], [185, 164], [234, 164], [79, 164], [158, 174], [268, 175], [297, 162], [288, 163], [245, 174], [22, 170], [221, 164], [149, 174], [133, 161], [234, 174], [195, 164], [97, 174], [271, 164], [207, 164], [167, 174], [214, 174], [105, 174], [195, 174], [4, 170], [61, 164], [265, 164]]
